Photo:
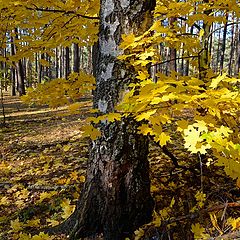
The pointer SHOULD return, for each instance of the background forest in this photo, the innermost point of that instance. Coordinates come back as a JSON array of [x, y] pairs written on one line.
[[120, 119]]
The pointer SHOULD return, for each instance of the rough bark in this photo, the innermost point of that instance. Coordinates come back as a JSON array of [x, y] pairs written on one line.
[[116, 197]]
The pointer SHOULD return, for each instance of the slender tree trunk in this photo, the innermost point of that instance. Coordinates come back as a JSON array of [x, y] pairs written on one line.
[[76, 56], [116, 196], [20, 72], [40, 69], [173, 51], [56, 63], [13, 81], [237, 65], [223, 48], [188, 62], [218, 51], [204, 60], [67, 62], [230, 63]]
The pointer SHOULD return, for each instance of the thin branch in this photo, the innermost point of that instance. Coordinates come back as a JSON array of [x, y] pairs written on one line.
[[195, 25], [39, 187], [179, 58], [175, 160], [61, 11], [226, 25]]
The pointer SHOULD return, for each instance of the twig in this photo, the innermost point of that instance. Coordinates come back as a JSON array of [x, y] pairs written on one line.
[[61, 11], [174, 59], [175, 160], [39, 187], [232, 235]]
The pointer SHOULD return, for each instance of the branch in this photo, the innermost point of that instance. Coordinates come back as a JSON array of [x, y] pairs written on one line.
[[175, 160], [195, 25], [232, 235], [173, 59], [61, 11], [228, 24], [39, 187]]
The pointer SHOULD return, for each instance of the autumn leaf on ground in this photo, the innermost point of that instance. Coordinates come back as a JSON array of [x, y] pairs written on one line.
[[199, 232], [67, 208], [46, 195], [16, 225]]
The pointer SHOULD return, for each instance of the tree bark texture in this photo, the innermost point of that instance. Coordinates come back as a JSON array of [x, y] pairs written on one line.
[[116, 197]]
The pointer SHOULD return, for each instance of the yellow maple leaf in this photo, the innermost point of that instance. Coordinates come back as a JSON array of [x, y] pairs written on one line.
[[82, 179], [182, 124], [145, 115], [142, 75], [90, 131], [33, 223], [67, 208], [16, 225], [75, 107], [145, 129], [4, 201], [199, 232], [42, 236], [74, 175], [234, 222], [217, 80], [128, 39], [163, 138], [45, 195], [67, 147], [52, 222]]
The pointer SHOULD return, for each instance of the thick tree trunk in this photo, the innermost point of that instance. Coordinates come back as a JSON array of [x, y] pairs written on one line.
[[116, 197]]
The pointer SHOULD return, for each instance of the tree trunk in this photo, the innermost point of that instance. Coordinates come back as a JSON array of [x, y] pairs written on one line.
[[115, 199], [20, 72], [41, 69], [173, 51], [223, 48], [204, 60], [237, 60], [76, 55], [230, 63], [67, 62]]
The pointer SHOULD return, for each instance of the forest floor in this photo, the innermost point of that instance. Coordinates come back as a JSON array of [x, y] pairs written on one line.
[[42, 169]]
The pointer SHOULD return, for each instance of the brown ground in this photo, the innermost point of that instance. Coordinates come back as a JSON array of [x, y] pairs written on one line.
[[42, 167]]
